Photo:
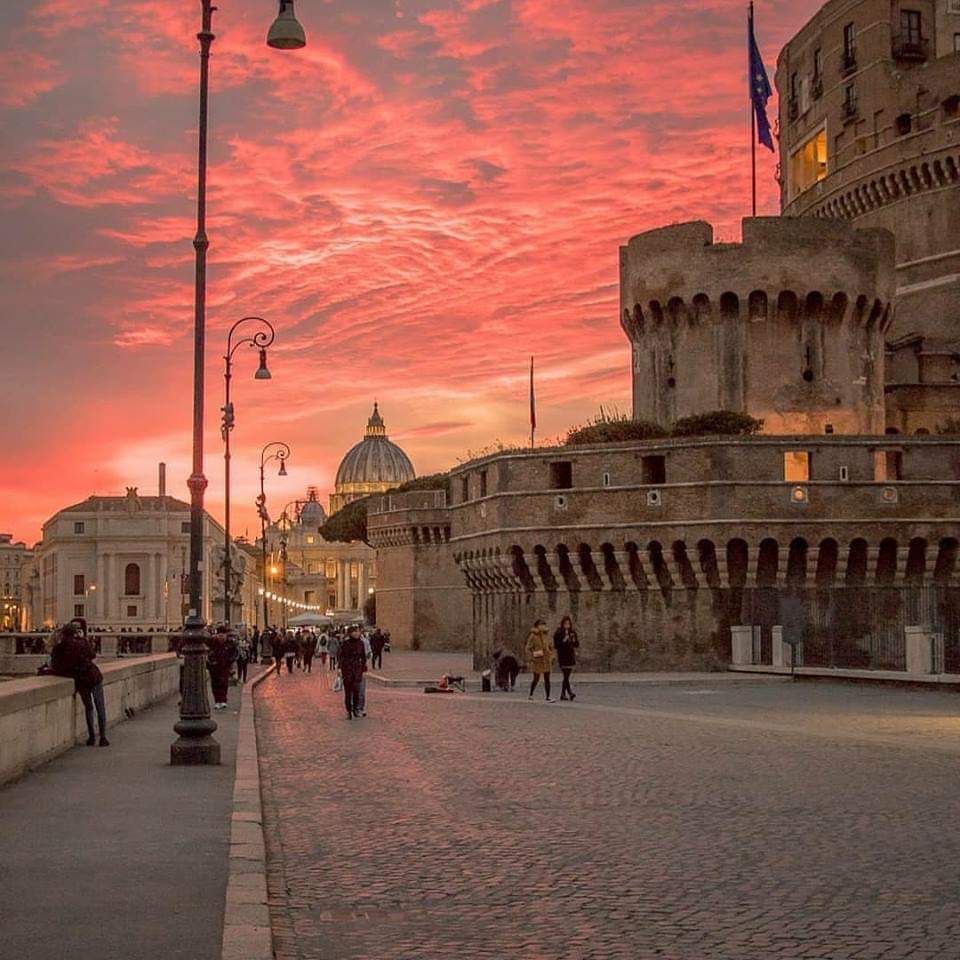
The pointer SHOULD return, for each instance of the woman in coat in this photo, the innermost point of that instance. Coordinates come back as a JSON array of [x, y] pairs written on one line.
[[539, 654], [565, 642]]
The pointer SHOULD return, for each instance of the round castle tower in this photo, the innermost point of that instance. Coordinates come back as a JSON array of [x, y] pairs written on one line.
[[787, 326]]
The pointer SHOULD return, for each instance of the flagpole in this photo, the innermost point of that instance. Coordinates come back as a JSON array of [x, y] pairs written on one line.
[[753, 124], [533, 408]]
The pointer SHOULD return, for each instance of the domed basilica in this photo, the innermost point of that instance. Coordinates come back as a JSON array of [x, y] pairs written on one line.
[[374, 465], [306, 567]]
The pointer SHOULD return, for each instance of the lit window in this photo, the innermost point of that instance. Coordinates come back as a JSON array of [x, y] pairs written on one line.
[[311, 539], [808, 164], [796, 466]]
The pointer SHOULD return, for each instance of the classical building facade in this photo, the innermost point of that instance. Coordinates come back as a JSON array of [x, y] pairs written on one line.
[[870, 133], [374, 465], [121, 562], [14, 560], [305, 567]]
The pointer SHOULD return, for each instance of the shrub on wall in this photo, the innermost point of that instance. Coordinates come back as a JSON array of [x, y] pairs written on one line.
[[350, 523], [949, 427], [613, 427], [725, 423]]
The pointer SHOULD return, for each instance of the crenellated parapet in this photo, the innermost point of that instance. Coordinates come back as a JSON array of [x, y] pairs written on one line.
[[787, 325]]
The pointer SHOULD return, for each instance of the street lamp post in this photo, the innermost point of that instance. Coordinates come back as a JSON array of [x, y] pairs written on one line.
[[259, 341], [284, 524], [195, 728], [281, 453]]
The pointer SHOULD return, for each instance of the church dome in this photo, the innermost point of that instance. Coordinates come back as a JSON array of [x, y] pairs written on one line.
[[375, 462]]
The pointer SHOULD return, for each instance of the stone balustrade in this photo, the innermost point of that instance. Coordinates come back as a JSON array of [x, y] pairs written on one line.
[[40, 717]]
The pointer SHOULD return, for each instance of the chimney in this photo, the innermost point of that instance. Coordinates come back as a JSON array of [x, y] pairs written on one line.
[[163, 479]]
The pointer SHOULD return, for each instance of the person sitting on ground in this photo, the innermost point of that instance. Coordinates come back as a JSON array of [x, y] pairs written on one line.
[[72, 656], [506, 669]]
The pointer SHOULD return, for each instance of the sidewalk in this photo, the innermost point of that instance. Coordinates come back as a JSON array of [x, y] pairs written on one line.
[[416, 668], [114, 854]]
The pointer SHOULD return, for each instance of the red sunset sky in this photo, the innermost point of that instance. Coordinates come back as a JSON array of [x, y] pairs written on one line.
[[427, 194]]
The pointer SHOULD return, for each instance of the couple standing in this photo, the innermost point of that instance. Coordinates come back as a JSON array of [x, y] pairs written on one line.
[[540, 654]]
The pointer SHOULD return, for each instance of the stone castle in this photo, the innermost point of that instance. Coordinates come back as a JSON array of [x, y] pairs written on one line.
[[836, 324]]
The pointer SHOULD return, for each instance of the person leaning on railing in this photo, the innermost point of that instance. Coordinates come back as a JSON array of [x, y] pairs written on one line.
[[72, 656]]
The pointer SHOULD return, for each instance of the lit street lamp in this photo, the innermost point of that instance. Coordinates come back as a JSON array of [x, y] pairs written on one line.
[[281, 453], [195, 743], [259, 341]]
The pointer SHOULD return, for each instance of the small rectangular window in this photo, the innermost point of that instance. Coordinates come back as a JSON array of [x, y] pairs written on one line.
[[185, 526], [894, 465], [78, 526], [653, 469], [131, 610], [311, 538], [465, 489], [78, 610], [483, 483], [79, 584], [817, 64], [606, 479], [844, 474], [561, 475], [796, 466], [849, 40], [910, 26]]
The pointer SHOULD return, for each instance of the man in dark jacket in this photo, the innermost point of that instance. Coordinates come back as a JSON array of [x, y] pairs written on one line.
[[506, 670], [353, 664], [377, 642], [72, 656], [277, 644]]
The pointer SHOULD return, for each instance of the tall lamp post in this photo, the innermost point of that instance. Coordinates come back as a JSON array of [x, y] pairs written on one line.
[[259, 341], [195, 743], [284, 529], [275, 450]]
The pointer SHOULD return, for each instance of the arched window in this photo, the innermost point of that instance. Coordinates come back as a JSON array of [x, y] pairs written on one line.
[[131, 580]]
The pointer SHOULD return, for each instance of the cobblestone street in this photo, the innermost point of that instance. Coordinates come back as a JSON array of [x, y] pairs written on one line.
[[756, 820]]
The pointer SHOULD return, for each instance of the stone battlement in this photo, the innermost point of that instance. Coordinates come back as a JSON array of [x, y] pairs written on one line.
[[787, 326]]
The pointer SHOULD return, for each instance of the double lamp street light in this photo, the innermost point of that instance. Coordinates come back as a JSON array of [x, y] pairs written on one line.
[[195, 743], [275, 450]]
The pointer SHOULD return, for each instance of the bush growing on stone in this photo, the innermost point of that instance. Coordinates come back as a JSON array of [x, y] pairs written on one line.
[[949, 427], [350, 523], [613, 427], [725, 423]]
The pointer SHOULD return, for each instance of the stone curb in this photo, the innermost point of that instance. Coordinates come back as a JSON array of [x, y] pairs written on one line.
[[473, 685], [246, 916]]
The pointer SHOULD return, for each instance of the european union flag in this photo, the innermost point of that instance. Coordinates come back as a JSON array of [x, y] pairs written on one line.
[[760, 88]]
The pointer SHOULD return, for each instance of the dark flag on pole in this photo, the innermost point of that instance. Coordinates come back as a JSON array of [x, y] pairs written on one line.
[[760, 89], [533, 406]]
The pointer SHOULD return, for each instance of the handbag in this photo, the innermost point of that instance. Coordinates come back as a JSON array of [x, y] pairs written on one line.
[[338, 684], [536, 653]]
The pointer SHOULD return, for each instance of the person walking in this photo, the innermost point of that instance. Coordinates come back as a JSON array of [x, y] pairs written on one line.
[[243, 659], [334, 647], [377, 642], [539, 654], [255, 645], [353, 665], [221, 652], [308, 649], [322, 653], [72, 656], [276, 648], [565, 642], [290, 648], [362, 686]]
